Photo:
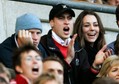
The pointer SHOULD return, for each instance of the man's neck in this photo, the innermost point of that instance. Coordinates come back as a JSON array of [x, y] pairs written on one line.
[[60, 40]]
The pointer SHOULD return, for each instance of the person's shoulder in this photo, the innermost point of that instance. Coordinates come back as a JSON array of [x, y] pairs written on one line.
[[10, 41], [111, 44]]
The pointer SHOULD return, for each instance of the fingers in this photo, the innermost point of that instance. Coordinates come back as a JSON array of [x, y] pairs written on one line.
[[103, 48], [73, 39], [24, 34], [108, 52], [24, 37]]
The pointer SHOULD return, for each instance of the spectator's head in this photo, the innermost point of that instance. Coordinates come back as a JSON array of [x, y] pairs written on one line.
[[60, 9], [28, 21], [110, 68], [4, 72], [47, 78], [31, 23], [27, 61], [54, 65], [3, 81], [61, 20], [112, 2], [88, 24], [105, 80]]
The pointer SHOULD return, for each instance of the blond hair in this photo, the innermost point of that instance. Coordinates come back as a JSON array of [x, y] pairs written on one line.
[[107, 65]]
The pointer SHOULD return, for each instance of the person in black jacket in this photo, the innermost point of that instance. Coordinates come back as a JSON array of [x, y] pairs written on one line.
[[28, 30], [90, 30], [58, 42]]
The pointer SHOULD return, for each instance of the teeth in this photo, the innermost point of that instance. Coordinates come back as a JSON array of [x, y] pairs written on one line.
[[92, 34], [35, 67], [66, 29]]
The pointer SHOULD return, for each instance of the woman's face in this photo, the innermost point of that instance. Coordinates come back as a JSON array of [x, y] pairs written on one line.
[[90, 28], [31, 64], [114, 72]]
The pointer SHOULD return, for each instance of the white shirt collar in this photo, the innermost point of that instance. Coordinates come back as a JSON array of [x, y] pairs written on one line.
[[15, 38], [59, 40]]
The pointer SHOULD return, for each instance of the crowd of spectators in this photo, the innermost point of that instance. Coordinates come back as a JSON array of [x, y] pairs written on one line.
[[59, 57]]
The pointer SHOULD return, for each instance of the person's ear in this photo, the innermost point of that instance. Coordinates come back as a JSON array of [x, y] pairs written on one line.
[[19, 69], [51, 23]]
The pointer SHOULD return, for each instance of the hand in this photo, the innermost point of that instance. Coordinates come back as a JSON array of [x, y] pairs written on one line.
[[70, 51], [101, 56], [24, 37]]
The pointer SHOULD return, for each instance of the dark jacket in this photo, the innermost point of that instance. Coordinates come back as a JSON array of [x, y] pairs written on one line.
[[7, 48], [111, 46], [91, 51], [78, 72]]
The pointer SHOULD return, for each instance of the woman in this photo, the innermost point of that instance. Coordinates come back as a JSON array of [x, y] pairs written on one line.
[[28, 64], [110, 68], [90, 32]]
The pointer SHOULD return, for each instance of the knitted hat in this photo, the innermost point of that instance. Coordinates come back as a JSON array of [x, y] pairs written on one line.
[[59, 9], [28, 21]]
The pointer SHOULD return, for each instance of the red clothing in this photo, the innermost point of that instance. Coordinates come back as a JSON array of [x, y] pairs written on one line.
[[63, 49], [20, 80]]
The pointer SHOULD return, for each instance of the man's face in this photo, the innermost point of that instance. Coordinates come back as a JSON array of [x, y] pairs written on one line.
[[55, 68], [62, 25], [36, 36], [113, 2]]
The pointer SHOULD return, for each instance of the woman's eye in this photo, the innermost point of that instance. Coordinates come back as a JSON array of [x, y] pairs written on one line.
[[114, 70], [95, 25], [28, 58], [86, 25]]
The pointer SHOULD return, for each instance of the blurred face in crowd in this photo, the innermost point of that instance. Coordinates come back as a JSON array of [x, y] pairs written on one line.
[[51, 82], [62, 25], [114, 72], [36, 35], [90, 28], [4, 75], [31, 65], [55, 68], [113, 2]]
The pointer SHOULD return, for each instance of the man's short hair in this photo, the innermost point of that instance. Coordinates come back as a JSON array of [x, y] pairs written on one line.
[[53, 58]]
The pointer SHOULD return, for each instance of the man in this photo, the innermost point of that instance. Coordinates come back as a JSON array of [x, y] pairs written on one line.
[[58, 42], [111, 2], [54, 66], [58, 38], [112, 44], [28, 30]]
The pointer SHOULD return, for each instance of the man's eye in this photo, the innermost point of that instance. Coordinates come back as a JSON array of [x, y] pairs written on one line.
[[38, 32], [60, 17], [38, 58]]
